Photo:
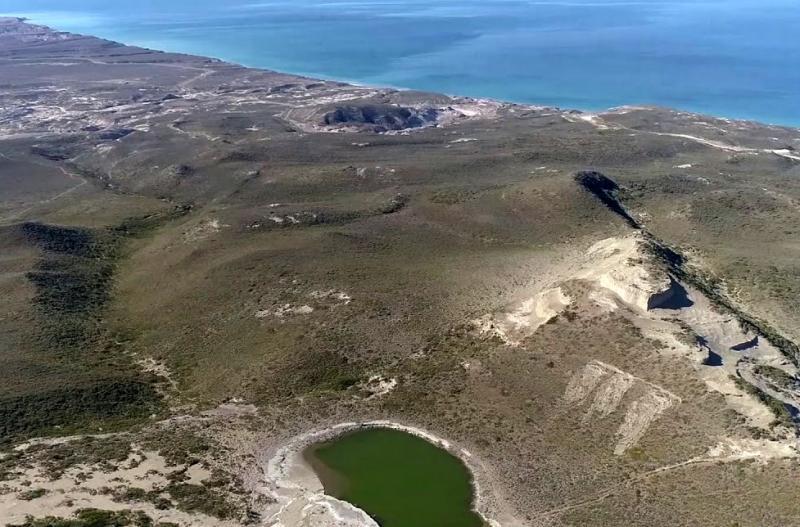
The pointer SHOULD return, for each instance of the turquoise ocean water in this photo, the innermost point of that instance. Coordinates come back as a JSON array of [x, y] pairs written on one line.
[[732, 58]]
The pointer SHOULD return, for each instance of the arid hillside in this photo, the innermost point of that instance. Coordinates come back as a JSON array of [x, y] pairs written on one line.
[[201, 263]]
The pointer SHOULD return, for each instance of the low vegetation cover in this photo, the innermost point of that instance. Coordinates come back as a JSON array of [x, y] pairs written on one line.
[[95, 518], [203, 265]]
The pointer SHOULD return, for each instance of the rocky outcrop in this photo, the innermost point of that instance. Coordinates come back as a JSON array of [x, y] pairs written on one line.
[[622, 267], [524, 318], [380, 117], [607, 191], [674, 296], [622, 272]]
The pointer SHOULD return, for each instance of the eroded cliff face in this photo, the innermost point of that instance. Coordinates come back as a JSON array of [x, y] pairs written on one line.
[[386, 112], [619, 271], [624, 268], [380, 118]]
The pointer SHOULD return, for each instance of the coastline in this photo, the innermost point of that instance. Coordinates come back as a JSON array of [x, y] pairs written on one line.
[[496, 198], [30, 18]]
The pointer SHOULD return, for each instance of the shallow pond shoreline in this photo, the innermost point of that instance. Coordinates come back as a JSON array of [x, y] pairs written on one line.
[[292, 478]]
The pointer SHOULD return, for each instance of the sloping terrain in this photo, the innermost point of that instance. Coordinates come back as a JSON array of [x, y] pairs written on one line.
[[202, 262]]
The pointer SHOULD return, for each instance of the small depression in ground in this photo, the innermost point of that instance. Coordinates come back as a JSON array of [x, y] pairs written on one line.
[[399, 479]]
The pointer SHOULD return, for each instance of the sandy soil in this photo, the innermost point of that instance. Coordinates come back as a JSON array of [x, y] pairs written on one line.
[[86, 486], [623, 277], [600, 389]]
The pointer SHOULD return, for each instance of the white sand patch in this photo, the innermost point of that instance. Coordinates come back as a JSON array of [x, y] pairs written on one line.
[[374, 172], [196, 474], [640, 415], [719, 333], [608, 396], [580, 386], [716, 378], [738, 350], [335, 297], [622, 110], [744, 403], [151, 365], [592, 118], [320, 299], [91, 486], [58, 440], [605, 301], [476, 108], [730, 449], [284, 311], [524, 318], [605, 387], [788, 154], [378, 385], [203, 230], [617, 265], [625, 277], [617, 268]]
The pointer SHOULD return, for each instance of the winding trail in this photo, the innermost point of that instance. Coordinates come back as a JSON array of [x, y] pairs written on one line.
[[72, 175], [203, 72], [606, 493], [598, 122]]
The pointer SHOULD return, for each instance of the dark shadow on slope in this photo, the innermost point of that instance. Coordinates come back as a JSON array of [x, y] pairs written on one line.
[[606, 190], [794, 414], [673, 258], [743, 346], [675, 297], [713, 359]]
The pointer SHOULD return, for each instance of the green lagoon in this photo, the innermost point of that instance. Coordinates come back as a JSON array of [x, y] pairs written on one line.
[[399, 479]]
